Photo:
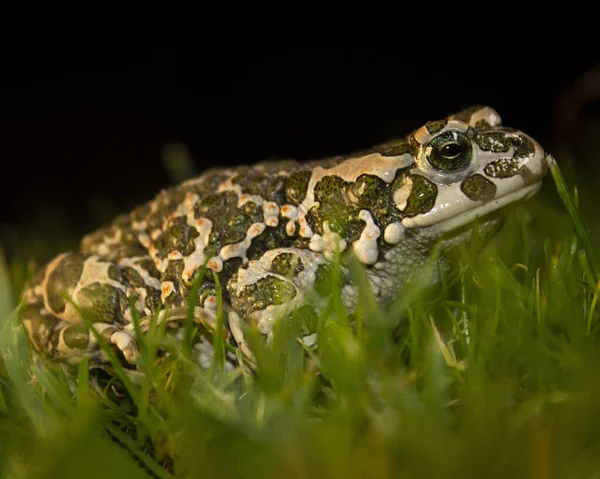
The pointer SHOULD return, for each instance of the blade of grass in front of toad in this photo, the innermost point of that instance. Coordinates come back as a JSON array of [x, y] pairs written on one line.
[[571, 206], [218, 361], [7, 306], [15, 354]]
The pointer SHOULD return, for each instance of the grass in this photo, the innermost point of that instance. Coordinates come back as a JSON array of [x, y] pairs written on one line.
[[495, 372]]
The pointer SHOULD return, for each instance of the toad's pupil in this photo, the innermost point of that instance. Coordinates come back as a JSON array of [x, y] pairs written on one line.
[[451, 150]]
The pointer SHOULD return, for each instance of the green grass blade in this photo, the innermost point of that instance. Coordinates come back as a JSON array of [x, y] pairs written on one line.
[[571, 206]]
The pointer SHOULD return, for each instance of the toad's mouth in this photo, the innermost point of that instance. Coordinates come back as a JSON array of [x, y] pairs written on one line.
[[484, 210]]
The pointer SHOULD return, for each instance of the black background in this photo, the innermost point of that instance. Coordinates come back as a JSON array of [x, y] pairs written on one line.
[[81, 134]]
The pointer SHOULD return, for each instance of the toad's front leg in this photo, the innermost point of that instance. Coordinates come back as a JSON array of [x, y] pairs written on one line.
[[273, 286]]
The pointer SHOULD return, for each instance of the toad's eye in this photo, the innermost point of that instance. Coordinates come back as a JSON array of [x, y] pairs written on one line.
[[450, 151]]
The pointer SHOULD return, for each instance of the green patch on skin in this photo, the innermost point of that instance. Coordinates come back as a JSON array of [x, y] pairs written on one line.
[[342, 220], [296, 186], [395, 150], [77, 337], [270, 238], [268, 186], [267, 291], [229, 223], [286, 264], [367, 191], [174, 273], [503, 168], [375, 195], [496, 142], [330, 189], [160, 246], [478, 188], [153, 300], [181, 236], [434, 127], [335, 207], [166, 202], [252, 209], [236, 228], [148, 265], [422, 196], [63, 279], [341, 202], [174, 269], [114, 273], [102, 303], [525, 148], [133, 278]]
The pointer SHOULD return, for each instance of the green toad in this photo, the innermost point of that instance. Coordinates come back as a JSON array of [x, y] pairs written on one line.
[[269, 232]]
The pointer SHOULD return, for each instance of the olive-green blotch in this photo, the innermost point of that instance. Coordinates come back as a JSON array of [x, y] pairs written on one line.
[[181, 236], [503, 168], [286, 264], [496, 142], [63, 279], [296, 186], [422, 196], [478, 188], [434, 127], [269, 290], [133, 278], [267, 185], [525, 148], [229, 223], [76, 336], [102, 303], [395, 150], [330, 189]]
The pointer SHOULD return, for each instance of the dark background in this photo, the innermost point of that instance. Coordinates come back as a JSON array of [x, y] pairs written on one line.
[[81, 135]]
